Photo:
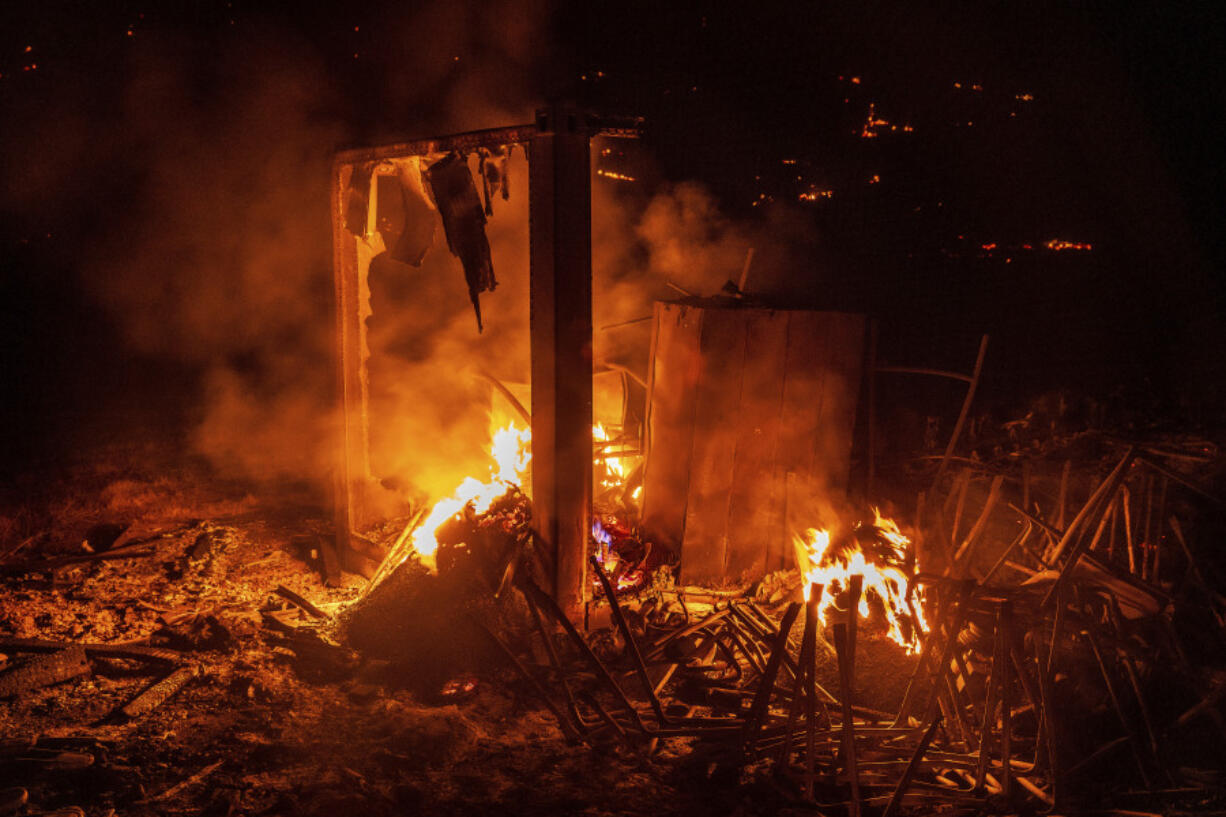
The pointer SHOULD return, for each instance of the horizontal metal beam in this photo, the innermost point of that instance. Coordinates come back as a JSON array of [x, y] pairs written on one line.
[[463, 142], [616, 127]]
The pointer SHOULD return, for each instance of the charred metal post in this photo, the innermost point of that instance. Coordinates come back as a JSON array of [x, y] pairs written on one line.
[[559, 207]]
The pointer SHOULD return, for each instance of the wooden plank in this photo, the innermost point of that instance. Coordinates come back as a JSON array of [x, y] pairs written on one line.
[[671, 399], [755, 514], [716, 417], [738, 401]]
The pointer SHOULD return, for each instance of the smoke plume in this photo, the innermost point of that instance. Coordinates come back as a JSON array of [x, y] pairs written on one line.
[[203, 177]]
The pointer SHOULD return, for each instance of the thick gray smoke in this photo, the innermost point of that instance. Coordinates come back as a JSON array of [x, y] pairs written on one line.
[[215, 250]]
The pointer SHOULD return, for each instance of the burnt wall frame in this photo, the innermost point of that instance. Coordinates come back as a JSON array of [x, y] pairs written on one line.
[[558, 145]]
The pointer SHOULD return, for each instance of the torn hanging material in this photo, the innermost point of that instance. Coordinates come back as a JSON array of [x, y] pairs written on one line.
[[493, 169], [417, 231], [455, 195]]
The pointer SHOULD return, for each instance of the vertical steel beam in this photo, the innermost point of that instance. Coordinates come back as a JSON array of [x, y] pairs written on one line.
[[560, 227]]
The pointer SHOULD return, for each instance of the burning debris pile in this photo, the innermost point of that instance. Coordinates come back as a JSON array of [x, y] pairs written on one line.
[[1042, 636], [1060, 645]]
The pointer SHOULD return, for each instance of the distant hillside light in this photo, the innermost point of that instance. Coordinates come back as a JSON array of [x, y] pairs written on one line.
[[1057, 245]]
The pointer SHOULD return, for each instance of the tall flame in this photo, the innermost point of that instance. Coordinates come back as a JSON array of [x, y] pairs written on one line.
[[885, 576], [511, 454], [614, 467]]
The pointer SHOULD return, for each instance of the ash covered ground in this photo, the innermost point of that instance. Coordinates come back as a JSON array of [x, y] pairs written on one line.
[[282, 718]]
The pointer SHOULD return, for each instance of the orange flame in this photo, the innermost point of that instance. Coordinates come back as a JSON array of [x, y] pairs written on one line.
[[511, 453], [884, 575], [615, 469]]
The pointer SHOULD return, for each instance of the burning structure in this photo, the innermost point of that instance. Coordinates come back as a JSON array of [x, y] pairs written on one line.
[[611, 537], [731, 499]]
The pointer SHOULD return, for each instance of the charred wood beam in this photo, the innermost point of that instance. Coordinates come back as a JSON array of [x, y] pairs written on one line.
[[761, 702], [549, 605], [299, 602], [854, 591], [1048, 738], [1104, 491], [552, 652], [803, 680], [955, 615], [632, 646], [45, 670], [662, 643], [44, 565], [139, 652], [843, 647], [158, 693], [811, 692], [908, 774]]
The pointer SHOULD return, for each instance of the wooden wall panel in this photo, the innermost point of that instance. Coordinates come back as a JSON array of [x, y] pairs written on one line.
[[750, 419], [716, 424], [755, 517], [669, 428]]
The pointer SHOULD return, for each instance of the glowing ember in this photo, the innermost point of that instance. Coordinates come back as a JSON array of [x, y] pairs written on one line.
[[1059, 244], [511, 453], [878, 552], [613, 174], [814, 194], [871, 123]]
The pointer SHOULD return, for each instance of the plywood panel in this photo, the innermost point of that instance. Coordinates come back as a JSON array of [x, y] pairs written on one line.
[[672, 386], [750, 417], [825, 358], [716, 422], [755, 516]]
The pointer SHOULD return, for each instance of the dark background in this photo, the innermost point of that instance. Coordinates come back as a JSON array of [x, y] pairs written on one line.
[[1118, 148]]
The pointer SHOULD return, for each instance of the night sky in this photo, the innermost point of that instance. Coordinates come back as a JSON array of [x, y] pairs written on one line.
[[930, 153]]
